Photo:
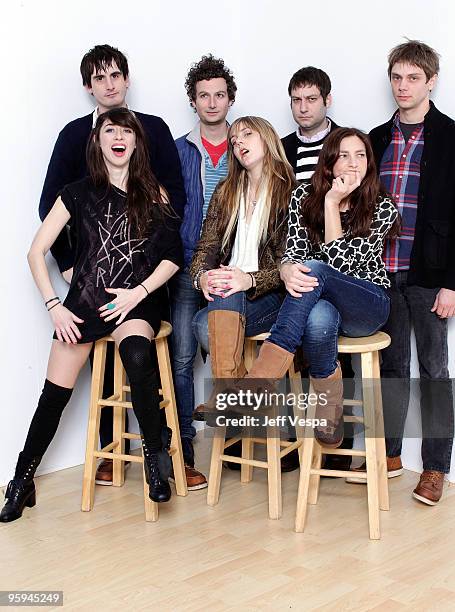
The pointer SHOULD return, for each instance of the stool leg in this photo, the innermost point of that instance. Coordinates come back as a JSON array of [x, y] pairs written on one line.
[[370, 445], [96, 393], [316, 456], [246, 471], [295, 381], [118, 476], [315, 479], [274, 470], [380, 440], [213, 491], [167, 389], [304, 480]]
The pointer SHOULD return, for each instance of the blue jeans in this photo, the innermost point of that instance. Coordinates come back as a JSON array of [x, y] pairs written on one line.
[[260, 314], [340, 303], [410, 306], [184, 303]]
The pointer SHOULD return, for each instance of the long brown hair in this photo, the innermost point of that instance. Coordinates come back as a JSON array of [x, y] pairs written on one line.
[[143, 190], [362, 201], [278, 180]]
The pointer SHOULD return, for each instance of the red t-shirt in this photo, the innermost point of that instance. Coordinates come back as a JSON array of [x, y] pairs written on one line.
[[215, 151]]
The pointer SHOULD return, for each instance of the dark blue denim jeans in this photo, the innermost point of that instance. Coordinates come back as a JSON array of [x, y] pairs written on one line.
[[184, 302], [260, 314], [340, 303], [410, 306]]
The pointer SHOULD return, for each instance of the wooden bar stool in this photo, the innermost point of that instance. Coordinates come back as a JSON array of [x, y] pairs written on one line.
[[375, 455], [116, 450], [276, 448]]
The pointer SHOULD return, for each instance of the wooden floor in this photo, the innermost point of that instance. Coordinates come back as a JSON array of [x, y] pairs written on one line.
[[232, 557]]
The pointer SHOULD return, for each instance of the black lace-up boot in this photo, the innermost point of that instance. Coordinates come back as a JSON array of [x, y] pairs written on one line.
[[157, 466], [20, 491]]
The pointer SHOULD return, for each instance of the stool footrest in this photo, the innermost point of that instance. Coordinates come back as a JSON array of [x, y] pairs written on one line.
[[109, 447], [127, 389], [289, 447], [343, 451], [352, 419], [107, 402], [231, 441], [133, 458], [337, 473], [253, 462]]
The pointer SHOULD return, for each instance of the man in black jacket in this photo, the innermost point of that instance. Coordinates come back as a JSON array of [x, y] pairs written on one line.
[[105, 75], [415, 154]]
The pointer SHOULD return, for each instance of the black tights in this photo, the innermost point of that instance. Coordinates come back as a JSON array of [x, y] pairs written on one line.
[[137, 361]]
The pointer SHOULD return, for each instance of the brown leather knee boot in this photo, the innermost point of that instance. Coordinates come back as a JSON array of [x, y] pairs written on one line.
[[226, 338], [272, 362], [330, 408]]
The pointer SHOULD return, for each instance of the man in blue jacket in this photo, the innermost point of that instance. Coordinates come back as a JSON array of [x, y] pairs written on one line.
[[105, 75], [203, 154]]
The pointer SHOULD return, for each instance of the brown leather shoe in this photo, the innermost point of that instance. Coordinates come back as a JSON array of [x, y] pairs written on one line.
[[429, 489], [105, 470], [194, 479], [394, 468]]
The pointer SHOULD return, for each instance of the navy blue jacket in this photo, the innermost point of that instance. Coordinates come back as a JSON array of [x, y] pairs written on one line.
[[68, 164], [189, 148]]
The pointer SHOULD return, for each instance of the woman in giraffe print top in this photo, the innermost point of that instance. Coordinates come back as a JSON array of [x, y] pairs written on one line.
[[333, 271]]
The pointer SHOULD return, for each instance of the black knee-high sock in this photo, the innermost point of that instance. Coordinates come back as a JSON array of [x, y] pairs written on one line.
[[44, 423], [137, 361]]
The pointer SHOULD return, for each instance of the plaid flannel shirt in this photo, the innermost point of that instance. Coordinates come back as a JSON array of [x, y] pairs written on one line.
[[400, 175]]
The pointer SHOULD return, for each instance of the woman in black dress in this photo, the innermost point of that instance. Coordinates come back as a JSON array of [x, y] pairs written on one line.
[[127, 246]]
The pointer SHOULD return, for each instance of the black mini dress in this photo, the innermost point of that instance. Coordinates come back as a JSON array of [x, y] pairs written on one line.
[[108, 254]]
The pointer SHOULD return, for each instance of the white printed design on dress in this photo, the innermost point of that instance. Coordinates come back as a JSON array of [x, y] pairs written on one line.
[[116, 251]]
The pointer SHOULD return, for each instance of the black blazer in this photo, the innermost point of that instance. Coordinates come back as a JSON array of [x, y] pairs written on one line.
[[433, 250]]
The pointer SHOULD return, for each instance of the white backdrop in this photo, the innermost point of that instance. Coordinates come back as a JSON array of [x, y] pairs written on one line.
[[263, 42]]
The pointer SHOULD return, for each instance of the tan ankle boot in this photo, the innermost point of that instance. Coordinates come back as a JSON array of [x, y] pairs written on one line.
[[331, 390], [272, 362], [226, 338]]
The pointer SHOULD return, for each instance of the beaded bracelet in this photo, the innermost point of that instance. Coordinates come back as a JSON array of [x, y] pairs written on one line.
[[197, 277]]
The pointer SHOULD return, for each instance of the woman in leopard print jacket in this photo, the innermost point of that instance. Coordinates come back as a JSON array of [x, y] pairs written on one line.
[[333, 271]]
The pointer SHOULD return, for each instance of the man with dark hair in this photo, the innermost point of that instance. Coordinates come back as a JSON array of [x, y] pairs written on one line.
[[309, 90], [105, 76], [415, 155], [211, 91]]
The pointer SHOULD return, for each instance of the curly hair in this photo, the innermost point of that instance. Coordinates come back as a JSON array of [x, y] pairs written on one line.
[[207, 68]]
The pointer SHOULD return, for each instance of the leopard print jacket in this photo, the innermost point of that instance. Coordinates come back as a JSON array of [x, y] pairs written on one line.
[[357, 257], [208, 254]]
